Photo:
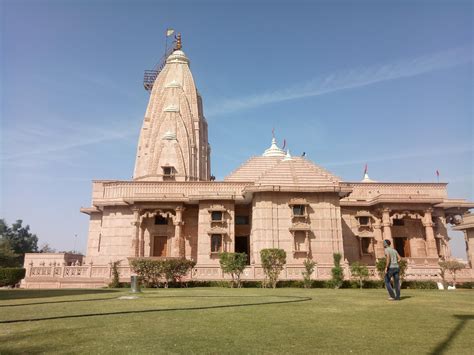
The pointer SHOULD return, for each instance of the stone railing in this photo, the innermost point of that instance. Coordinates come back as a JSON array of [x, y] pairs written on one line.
[[214, 272], [371, 190], [131, 190], [74, 272]]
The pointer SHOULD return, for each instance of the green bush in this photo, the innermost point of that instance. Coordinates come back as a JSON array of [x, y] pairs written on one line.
[[308, 271], [233, 264], [337, 271], [115, 283], [175, 269], [420, 285], [360, 272], [162, 272], [468, 285], [451, 266], [273, 261], [10, 276]]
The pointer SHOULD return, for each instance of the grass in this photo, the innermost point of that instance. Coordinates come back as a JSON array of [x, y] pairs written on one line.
[[220, 320]]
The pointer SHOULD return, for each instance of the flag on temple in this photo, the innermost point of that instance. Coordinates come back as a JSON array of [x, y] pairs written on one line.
[[437, 173], [169, 32], [365, 169], [284, 144]]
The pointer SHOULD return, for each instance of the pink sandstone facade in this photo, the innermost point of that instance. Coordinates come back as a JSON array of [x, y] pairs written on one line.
[[173, 208]]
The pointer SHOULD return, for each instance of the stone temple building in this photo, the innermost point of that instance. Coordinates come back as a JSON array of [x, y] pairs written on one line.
[[173, 207]]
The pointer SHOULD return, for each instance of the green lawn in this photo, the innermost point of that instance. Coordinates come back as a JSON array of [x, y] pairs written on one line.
[[220, 320]]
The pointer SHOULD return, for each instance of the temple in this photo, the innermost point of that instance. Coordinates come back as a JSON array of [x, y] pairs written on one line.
[[173, 207]]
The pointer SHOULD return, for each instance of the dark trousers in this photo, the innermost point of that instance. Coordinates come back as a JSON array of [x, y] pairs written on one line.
[[395, 273]]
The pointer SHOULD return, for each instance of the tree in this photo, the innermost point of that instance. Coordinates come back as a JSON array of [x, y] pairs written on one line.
[[8, 258], [233, 264], [308, 271], [273, 261], [360, 272], [115, 283], [337, 271], [46, 248], [19, 237], [452, 266]]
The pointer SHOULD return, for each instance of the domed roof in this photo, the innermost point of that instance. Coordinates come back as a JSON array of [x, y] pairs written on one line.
[[274, 151], [177, 56], [294, 173]]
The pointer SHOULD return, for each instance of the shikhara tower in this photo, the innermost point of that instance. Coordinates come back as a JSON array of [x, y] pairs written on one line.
[[173, 142]]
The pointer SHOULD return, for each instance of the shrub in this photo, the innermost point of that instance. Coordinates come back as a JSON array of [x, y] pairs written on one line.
[[337, 272], [115, 283], [273, 261], [360, 272], [468, 285], [155, 272], [420, 285], [290, 284], [452, 266], [10, 276], [308, 271], [233, 264], [175, 269]]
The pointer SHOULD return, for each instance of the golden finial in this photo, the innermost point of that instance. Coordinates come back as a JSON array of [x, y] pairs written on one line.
[[178, 42]]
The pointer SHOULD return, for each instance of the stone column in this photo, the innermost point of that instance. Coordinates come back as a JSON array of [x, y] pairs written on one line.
[[179, 245], [431, 250], [387, 225], [141, 252], [136, 232], [378, 248]]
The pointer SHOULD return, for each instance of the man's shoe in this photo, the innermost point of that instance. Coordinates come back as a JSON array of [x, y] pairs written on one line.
[[391, 299]]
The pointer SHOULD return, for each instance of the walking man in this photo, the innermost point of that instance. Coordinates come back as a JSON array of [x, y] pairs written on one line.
[[392, 269]]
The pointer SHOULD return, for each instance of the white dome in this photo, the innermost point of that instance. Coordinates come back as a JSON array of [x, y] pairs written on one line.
[[274, 151], [177, 56]]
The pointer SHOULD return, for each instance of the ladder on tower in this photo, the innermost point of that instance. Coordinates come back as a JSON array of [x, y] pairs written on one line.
[[150, 75]]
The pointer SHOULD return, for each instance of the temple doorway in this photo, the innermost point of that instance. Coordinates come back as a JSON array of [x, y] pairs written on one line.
[[402, 245], [242, 246], [160, 244]]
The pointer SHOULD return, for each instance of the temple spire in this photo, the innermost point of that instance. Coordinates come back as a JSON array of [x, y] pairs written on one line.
[[178, 42]]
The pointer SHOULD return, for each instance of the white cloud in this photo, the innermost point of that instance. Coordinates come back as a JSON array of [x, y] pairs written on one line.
[[350, 79]]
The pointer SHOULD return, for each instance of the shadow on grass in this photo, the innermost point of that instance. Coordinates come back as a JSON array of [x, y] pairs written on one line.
[[115, 298], [294, 300], [24, 294], [463, 319], [20, 342]]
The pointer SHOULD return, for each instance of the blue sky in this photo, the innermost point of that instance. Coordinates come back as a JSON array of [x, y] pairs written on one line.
[[347, 82]]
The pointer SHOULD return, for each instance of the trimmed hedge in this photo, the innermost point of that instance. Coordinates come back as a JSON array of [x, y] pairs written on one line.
[[420, 285], [10, 276], [369, 284]]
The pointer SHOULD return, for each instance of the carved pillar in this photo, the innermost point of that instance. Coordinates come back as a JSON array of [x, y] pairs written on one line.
[[142, 242], [179, 240], [378, 247], [387, 225], [431, 250], [136, 232], [306, 239]]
